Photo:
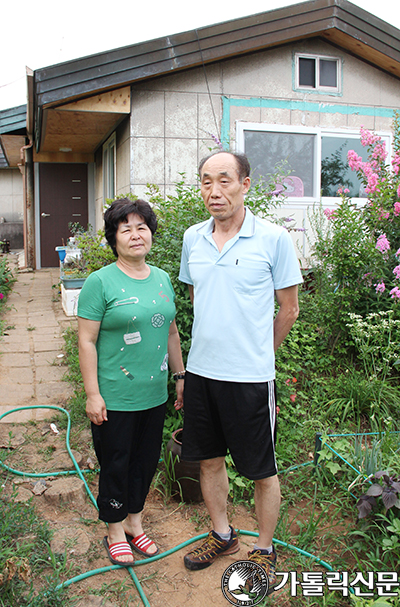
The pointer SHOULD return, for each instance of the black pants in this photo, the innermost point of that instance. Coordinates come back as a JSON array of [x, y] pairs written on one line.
[[128, 449]]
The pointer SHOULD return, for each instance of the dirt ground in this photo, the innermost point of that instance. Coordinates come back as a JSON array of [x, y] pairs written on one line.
[[63, 502]]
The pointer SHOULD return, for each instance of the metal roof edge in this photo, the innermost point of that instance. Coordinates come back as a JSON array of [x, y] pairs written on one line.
[[12, 119], [108, 70]]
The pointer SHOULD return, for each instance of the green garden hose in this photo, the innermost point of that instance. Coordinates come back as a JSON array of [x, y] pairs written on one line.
[[150, 559]]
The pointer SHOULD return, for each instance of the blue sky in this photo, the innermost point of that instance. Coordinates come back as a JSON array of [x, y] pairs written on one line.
[[42, 33]]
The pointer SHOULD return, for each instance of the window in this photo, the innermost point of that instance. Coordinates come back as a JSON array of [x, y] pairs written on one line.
[[317, 73], [109, 161], [335, 171], [316, 158]]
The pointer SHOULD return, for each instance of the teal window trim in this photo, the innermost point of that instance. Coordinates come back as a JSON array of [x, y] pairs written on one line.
[[303, 106]]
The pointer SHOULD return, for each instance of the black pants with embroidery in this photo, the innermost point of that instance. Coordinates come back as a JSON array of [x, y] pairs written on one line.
[[128, 449]]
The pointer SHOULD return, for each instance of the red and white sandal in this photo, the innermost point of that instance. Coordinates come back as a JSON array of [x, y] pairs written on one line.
[[141, 543], [118, 549]]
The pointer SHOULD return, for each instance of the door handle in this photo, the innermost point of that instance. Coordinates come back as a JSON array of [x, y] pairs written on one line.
[[45, 215]]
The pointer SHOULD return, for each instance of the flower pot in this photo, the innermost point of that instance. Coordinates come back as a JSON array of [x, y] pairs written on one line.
[[185, 476], [72, 283]]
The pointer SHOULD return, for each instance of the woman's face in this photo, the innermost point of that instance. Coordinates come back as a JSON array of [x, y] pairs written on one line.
[[133, 239]]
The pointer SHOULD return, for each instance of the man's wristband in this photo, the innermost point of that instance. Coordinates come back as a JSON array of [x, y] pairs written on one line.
[[180, 375]]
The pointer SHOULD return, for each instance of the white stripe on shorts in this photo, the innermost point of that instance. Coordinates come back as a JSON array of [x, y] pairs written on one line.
[[272, 414]]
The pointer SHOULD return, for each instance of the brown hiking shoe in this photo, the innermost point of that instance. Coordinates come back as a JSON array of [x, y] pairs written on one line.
[[268, 563], [211, 547]]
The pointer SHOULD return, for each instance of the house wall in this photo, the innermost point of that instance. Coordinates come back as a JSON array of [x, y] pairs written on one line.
[[174, 118], [11, 207], [122, 174], [11, 195]]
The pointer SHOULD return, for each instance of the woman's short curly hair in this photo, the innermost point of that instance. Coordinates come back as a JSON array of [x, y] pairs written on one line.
[[118, 212]]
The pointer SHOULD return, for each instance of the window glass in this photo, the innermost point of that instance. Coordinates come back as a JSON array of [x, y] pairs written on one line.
[[109, 168], [335, 171], [307, 72], [327, 72], [266, 150], [111, 171]]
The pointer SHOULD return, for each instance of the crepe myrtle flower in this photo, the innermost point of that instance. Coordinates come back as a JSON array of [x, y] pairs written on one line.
[[395, 293], [380, 287], [382, 244], [1, 296], [329, 213], [383, 214]]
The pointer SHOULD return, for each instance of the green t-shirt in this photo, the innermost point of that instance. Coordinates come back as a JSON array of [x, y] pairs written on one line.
[[132, 345]]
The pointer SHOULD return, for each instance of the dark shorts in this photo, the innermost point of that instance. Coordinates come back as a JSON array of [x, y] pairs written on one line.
[[241, 417]]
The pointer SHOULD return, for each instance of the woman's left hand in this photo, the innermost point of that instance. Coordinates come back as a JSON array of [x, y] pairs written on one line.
[[178, 404]]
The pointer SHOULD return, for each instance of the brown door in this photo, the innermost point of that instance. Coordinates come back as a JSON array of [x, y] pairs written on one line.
[[63, 199]]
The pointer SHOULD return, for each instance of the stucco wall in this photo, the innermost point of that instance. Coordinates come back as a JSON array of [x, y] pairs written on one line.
[[11, 195], [173, 118]]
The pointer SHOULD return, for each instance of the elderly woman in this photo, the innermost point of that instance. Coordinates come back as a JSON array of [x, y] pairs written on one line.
[[127, 338]]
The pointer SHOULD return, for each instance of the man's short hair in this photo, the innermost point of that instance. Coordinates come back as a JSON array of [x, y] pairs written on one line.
[[243, 165]]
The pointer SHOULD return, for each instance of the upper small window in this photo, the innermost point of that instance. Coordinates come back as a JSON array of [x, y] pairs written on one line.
[[318, 73]]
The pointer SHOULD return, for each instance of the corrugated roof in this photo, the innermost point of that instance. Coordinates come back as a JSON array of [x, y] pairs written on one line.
[[12, 120], [339, 21]]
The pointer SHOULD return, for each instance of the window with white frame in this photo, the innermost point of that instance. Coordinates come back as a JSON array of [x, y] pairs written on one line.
[[109, 162], [317, 73], [315, 158]]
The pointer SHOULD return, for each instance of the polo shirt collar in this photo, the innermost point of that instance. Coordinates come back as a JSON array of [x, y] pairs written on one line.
[[247, 229]]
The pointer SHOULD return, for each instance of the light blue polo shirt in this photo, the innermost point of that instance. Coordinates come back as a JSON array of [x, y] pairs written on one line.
[[232, 335]]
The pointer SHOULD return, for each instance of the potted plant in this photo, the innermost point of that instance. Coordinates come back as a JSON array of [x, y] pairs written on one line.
[[73, 273]]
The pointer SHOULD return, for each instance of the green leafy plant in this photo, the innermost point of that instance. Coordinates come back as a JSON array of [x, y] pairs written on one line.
[[7, 279], [95, 250], [355, 396]]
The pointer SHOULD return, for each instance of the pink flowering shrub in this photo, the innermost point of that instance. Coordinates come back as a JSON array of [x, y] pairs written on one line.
[[381, 216], [357, 248]]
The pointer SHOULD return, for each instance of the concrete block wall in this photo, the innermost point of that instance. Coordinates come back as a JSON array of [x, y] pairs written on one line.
[[173, 118]]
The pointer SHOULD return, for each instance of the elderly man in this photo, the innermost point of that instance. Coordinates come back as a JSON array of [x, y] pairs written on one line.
[[235, 265]]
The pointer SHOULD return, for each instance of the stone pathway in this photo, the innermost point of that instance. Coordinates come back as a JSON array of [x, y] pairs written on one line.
[[31, 368]]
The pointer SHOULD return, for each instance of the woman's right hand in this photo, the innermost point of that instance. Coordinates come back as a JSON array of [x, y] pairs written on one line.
[[96, 409]]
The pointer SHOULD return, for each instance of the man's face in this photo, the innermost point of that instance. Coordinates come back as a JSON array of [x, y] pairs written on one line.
[[222, 192]]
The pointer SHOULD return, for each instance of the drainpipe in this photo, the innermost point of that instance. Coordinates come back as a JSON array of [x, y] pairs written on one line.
[[26, 168]]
